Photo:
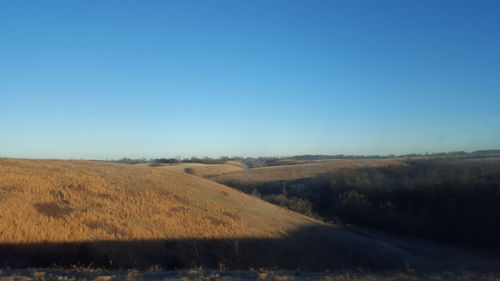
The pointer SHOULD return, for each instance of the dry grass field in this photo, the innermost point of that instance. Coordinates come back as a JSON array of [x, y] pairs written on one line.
[[298, 171], [236, 164], [204, 170], [57, 201], [62, 213], [132, 215]]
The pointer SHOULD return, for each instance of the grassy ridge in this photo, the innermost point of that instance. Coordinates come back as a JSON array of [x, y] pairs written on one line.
[[58, 201], [126, 216], [451, 199], [70, 212], [298, 171]]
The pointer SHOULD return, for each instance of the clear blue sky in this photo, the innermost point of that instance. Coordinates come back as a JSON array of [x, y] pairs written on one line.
[[113, 78]]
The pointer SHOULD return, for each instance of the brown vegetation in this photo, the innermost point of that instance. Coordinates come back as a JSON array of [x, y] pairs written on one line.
[[202, 170], [119, 215], [445, 198], [236, 164], [299, 171], [54, 201], [66, 212]]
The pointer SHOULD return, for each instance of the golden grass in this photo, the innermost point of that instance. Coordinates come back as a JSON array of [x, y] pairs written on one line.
[[137, 215], [298, 171], [210, 170], [202, 170], [236, 164], [56, 201]]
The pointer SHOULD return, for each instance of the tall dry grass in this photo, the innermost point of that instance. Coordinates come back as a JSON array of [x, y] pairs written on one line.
[[54, 201], [299, 171], [202, 170]]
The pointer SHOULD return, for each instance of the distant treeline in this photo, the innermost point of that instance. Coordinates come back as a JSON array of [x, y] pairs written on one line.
[[476, 154], [255, 162], [445, 199]]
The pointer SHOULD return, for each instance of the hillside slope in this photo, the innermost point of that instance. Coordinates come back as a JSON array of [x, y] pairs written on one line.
[[202, 170], [59, 201], [83, 212], [299, 171]]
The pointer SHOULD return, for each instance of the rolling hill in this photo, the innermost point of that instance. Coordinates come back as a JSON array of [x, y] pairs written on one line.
[[57, 201], [298, 171], [82, 212], [203, 170]]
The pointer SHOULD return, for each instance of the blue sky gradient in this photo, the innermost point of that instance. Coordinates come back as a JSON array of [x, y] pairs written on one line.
[[101, 79]]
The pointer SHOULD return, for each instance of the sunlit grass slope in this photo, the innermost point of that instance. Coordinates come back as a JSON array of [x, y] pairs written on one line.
[[203, 170], [298, 171], [67, 212], [106, 214], [53, 201]]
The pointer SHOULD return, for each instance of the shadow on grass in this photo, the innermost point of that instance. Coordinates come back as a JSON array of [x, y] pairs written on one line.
[[314, 248]]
